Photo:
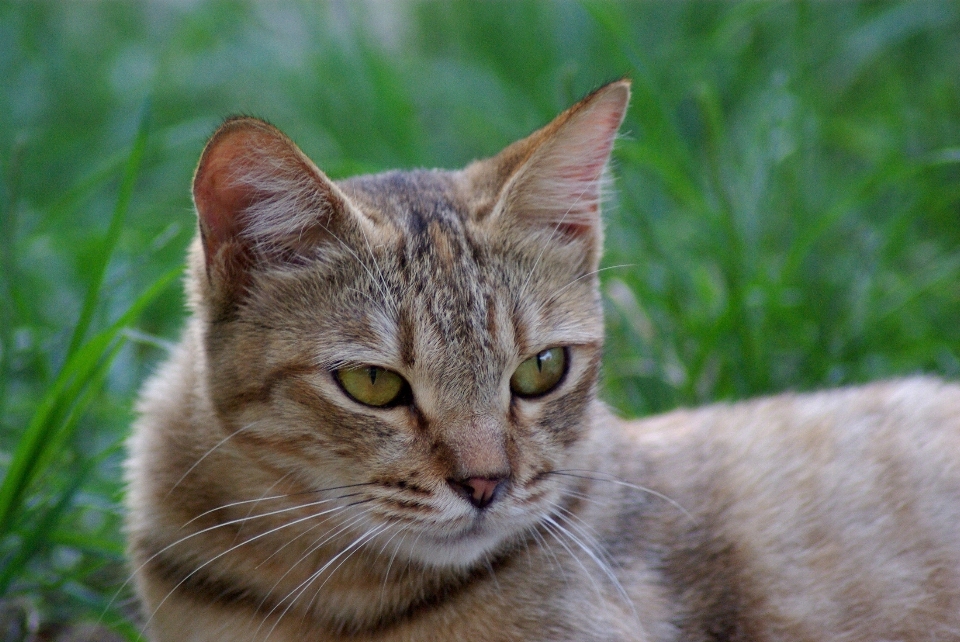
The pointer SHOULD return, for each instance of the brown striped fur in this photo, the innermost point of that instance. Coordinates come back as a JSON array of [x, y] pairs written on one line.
[[265, 504]]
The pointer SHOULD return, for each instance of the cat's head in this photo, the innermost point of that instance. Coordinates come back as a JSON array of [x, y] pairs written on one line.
[[429, 340]]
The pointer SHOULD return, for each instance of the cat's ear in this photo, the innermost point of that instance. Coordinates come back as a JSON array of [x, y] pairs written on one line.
[[260, 201], [553, 180]]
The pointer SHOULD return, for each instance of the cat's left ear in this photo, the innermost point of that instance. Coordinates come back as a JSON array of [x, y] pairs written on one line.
[[553, 180]]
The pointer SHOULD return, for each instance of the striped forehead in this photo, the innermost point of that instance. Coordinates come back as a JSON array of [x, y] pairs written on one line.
[[409, 200], [437, 270], [434, 250]]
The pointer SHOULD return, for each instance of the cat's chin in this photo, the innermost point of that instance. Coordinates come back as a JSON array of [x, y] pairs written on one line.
[[460, 550]]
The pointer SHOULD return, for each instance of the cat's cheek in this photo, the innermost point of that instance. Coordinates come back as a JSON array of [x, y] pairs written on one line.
[[303, 431], [558, 420]]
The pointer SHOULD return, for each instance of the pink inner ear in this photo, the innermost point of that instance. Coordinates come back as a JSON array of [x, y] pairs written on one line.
[[561, 185], [219, 197], [591, 146], [218, 208]]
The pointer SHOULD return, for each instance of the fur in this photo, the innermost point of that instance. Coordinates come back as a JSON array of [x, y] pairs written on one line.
[[267, 504]]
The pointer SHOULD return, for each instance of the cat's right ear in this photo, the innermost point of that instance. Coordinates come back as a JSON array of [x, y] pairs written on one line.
[[260, 202]]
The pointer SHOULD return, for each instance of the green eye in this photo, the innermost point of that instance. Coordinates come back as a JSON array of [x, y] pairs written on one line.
[[540, 374], [373, 386]]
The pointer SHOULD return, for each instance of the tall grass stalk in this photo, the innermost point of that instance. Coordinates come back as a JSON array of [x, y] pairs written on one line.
[[35, 495]]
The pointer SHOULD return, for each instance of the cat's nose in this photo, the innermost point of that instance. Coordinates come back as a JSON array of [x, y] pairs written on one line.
[[479, 491]]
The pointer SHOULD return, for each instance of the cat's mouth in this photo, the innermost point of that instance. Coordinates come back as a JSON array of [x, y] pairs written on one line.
[[452, 529]]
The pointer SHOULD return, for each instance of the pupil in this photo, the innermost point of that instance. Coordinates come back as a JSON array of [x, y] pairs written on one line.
[[541, 358], [373, 375]]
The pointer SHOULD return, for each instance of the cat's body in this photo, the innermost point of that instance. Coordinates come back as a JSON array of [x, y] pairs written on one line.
[[275, 495]]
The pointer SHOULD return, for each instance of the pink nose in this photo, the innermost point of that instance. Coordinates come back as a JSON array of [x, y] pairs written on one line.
[[480, 491]]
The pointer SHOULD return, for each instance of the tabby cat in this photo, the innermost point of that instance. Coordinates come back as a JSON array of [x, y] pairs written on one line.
[[382, 423]]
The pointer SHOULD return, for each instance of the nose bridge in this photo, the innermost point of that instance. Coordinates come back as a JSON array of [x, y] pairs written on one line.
[[478, 442]]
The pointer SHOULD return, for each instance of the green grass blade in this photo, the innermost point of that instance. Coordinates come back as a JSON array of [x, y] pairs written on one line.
[[47, 420], [39, 534], [130, 173]]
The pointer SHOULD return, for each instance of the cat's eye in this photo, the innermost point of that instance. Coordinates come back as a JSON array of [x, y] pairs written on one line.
[[373, 386], [539, 374]]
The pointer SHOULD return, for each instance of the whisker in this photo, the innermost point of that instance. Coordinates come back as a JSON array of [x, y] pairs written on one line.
[[556, 530], [255, 504], [231, 549], [370, 535], [396, 549], [493, 576], [586, 530], [587, 533], [315, 545], [241, 520], [207, 454], [584, 497], [291, 541], [302, 587], [273, 497], [590, 475], [406, 569], [526, 549], [601, 564], [545, 546], [271, 513], [583, 276]]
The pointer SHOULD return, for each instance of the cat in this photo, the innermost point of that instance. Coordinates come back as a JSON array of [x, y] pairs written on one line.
[[382, 423]]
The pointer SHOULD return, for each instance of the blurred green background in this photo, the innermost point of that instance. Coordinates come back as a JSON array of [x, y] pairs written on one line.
[[788, 193]]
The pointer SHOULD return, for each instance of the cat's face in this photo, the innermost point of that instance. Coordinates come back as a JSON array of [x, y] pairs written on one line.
[[419, 347]]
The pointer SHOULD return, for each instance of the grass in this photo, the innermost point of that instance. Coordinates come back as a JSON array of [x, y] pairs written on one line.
[[788, 186]]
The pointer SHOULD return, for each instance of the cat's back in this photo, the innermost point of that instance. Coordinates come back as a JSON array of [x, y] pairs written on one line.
[[831, 515]]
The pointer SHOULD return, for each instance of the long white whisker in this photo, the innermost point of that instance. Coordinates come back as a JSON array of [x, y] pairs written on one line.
[[601, 564], [590, 475], [545, 546], [273, 497], [262, 497], [583, 276], [556, 530], [291, 541], [208, 529], [370, 535], [229, 550], [600, 558], [315, 545], [302, 587], [493, 576], [207, 454], [393, 556], [584, 497], [583, 529]]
